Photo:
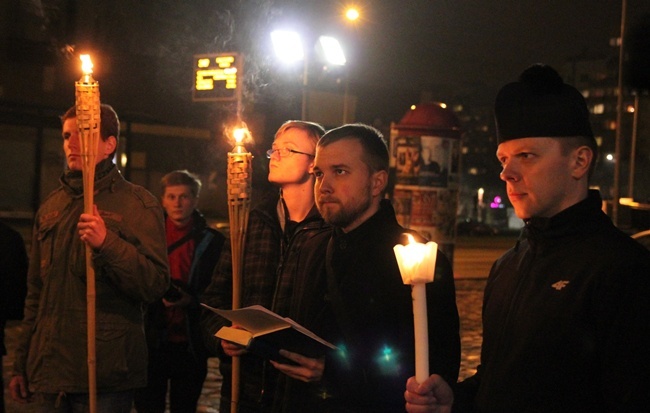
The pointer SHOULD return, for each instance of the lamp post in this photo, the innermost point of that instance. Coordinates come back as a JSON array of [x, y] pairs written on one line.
[[619, 118], [288, 46]]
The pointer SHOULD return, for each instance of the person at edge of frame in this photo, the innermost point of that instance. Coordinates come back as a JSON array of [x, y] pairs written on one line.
[[566, 314]]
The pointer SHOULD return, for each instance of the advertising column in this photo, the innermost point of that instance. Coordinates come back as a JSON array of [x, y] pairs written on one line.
[[425, 157]]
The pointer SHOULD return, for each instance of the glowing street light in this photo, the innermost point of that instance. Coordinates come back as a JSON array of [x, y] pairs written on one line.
[[352, 14], [332, 50], [288, 47]]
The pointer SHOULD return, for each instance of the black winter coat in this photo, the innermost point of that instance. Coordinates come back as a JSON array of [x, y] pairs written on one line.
[[372, 323], [566, 321]]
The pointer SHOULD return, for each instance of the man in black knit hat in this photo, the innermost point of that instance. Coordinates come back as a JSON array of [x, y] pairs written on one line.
[[566, 312]]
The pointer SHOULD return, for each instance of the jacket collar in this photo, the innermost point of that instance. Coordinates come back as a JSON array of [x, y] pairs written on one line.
[[105, 173], [375, 226], [576, 218]]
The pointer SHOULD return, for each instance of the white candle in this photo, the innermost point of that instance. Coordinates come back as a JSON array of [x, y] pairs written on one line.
[[417, 264], [419, 294]]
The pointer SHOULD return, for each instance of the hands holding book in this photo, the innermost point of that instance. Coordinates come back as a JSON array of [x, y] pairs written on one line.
[[233, 349], [305, 368], [290, 347]]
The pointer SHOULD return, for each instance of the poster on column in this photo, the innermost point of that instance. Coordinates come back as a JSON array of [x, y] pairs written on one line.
[[430, 211], [425, 161], [426, 184]]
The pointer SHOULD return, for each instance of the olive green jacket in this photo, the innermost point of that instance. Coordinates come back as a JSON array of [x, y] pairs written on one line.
[[131, 270]]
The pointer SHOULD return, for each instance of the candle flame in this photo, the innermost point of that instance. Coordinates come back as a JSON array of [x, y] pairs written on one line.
[[416, 261], [86, 64]]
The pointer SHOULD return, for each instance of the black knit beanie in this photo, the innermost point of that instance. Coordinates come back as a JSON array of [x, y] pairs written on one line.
[[540, 104]]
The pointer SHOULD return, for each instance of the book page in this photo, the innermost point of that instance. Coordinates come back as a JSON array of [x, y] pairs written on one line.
[[255, 319], [259, 320]]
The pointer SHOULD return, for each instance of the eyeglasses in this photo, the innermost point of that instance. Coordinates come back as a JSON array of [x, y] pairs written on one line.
[[284, 152]]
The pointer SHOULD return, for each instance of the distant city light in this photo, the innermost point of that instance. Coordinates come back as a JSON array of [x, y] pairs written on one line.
[[610, 157], [497, 203], [630, 109], [413, 107], [629, 202], [599, 109]]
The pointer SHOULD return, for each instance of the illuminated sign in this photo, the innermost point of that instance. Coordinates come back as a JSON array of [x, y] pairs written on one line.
[[216, 77]]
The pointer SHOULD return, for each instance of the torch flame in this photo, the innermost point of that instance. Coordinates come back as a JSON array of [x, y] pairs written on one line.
[[86, 64], [240, 134]]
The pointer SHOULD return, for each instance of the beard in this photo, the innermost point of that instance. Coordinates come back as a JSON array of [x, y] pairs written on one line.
[[347, 214]]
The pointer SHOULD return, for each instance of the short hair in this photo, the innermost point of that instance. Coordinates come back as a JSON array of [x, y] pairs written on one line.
[[570, 143], [375, 149], [110, 123], [182, 177], [313, 129]]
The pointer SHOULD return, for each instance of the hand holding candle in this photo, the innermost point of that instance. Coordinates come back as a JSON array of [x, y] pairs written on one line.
[[417, 263]]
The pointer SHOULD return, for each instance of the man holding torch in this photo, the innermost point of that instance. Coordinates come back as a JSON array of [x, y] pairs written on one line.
[[129, 256], [277, 228]]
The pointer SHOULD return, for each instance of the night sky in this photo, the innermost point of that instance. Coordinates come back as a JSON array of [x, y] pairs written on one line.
[[396, 50], [485, 41], [423, 44]]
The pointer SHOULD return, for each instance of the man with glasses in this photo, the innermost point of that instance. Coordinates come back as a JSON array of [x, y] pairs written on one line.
[[277, 228]]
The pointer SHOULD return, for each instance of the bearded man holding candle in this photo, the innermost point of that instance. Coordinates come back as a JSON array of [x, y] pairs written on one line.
[[355, 296], [566, 312], [129, 255]]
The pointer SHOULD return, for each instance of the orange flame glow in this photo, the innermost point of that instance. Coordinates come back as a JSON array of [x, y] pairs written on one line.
[[86, 64]]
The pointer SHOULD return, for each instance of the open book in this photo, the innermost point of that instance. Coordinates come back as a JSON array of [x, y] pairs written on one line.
[[264, 333]]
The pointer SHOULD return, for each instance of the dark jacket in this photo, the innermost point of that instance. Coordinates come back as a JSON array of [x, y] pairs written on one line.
[[130, 270], [270, 258], [208, 243], [13, 278], [364, 308], [566, 320]]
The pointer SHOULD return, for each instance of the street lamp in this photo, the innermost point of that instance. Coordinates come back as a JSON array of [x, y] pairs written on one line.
[[352, 14], [289, 48]]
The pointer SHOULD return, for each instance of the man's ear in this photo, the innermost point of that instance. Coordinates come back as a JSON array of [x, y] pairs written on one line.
[[379, 182], [582, 157], [110, 146]]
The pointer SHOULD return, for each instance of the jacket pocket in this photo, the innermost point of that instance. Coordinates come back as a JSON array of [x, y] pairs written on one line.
[[45, 236], [111, 346], [122, 353]]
